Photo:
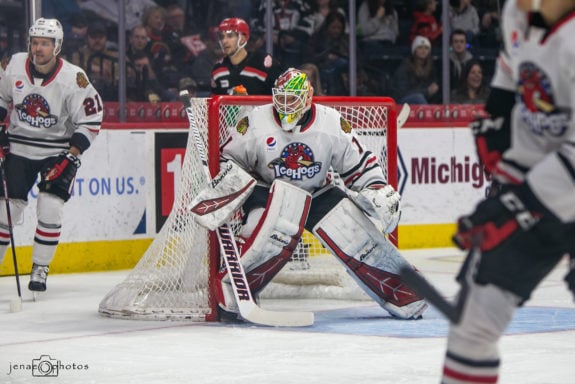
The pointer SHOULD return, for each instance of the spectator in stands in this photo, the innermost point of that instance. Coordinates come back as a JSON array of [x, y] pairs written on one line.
[[378, 26], [415, 80], [146, 86], [170, 56], [137, 42], [314, 77], [291, 28], [463, 15], [458, 56], [319, 10], [424, 22], [472, 88], [255, 71], [108, 10], [188, 84], [200, 68], [489, 32], [76, 39], [99, 61], [329, 49]]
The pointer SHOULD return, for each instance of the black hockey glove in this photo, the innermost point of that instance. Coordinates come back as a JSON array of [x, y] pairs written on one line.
[[4, 142], [493, 134], [498, 218], [58, 176]]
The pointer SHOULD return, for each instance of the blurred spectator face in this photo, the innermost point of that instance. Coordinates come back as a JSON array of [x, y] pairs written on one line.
[[79, 31], [458, 43], [422, 52], [143, 64], [335, 29], [475, 77], [96, 42], [176, 18], [156, 20], [138, 38]]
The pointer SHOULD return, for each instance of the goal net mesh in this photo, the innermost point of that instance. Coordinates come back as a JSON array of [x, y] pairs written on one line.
[[172, 279]]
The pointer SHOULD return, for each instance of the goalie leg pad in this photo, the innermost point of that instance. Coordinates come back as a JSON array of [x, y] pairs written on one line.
[[223, 196], [272, 241], [371, 260]]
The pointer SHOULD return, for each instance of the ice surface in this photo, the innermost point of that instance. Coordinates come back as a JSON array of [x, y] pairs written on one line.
[[350, 343]]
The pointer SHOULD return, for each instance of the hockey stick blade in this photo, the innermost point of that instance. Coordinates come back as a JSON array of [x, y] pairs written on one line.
[[248, 308], [424, 288], [403, 115]]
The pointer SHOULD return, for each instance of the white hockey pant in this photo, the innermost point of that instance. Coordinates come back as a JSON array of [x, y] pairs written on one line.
[[271, 243], [472, 353], [368, 256], [16, 212]]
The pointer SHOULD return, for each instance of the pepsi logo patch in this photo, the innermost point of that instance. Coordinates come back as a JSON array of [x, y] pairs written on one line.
[[19, 84], [271, 143]]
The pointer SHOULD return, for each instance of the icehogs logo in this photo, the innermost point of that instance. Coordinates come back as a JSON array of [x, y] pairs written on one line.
[[35, 111], [538, 109], [296, 161]]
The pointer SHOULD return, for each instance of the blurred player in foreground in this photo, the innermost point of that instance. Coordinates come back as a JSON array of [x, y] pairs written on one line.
[[288, 147], [55, 117], [519, 233], [254, 71]]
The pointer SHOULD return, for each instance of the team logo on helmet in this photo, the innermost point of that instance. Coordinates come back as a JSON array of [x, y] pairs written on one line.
[[35, 111], [538, 108], [296, 161]]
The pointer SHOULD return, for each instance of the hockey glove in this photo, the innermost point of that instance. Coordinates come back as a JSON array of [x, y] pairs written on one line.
[[58, 176], [4, 142], [498, 218], [493, 134], [381, 203]]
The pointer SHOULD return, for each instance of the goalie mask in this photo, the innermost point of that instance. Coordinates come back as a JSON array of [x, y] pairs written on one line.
[[50, 28], [292, 94]]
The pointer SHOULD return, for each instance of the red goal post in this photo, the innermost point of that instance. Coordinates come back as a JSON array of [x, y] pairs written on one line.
[[173, 278]]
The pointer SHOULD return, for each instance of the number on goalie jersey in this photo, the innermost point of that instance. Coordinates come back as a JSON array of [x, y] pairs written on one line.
[[524, 228], [296, 141], [55, 117]]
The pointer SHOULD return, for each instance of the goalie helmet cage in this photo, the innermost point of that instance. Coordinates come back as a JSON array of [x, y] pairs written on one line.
[[172, 279]]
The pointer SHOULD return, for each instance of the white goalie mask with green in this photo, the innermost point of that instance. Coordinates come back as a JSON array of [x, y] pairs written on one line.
[[292, 94]]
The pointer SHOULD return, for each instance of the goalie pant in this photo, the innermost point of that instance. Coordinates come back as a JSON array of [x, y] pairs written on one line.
[[341, 227]]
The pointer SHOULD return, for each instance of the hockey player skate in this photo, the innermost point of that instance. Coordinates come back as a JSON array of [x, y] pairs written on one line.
[[38, 277]]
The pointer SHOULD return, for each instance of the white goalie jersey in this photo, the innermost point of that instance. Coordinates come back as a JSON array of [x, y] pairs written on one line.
[[538, 65], [47, 112], [302, 157]]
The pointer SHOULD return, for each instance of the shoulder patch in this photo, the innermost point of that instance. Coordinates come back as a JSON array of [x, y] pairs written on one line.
[[81, 80], [242, 126], [268, 61], [5, 61], [345, 125]]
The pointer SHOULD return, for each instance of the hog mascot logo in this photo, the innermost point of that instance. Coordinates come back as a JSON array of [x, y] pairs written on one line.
[[296, 161], [35, 111], [538, 108]]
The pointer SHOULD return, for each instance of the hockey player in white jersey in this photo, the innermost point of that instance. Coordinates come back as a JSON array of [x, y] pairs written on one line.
[[518, 234], [288, 147], [55, 115]]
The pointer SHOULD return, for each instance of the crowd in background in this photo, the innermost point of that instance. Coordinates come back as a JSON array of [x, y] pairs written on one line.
[[174, 44]]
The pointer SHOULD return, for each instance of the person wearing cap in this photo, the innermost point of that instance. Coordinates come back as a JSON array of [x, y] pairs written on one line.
[[255, 71], [188, 84], [416, 81]]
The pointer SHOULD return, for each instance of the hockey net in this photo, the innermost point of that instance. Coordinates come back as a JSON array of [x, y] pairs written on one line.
[[172, 279]]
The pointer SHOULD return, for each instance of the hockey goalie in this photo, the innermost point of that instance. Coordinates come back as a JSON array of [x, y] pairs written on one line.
[[279, 161]]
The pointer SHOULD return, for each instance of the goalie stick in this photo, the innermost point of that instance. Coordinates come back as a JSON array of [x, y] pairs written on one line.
[[248, 308], [403, 115], [453, 311]]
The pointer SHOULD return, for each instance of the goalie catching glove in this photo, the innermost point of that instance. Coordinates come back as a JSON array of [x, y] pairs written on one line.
[[58, 176], [499, 218], [381, 203]]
